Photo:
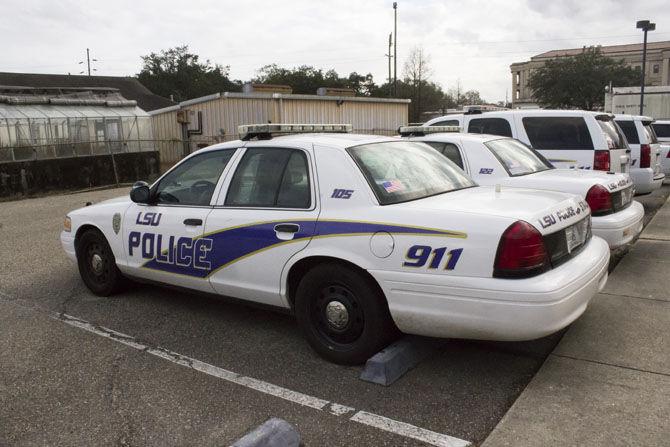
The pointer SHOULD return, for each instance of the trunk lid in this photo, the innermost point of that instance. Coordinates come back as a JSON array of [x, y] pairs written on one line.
[[548, 211]]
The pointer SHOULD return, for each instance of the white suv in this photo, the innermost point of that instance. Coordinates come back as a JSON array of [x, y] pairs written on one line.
[[662, 130], [572, 139], [645, 156]]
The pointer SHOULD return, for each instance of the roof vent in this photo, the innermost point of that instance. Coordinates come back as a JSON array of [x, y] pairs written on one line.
[[335, 91], [266, 88]]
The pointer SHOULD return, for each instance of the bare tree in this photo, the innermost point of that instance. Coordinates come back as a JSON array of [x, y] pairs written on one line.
[[416, 73]]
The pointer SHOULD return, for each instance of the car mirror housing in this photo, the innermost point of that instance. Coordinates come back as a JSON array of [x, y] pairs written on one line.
[[140, 193]]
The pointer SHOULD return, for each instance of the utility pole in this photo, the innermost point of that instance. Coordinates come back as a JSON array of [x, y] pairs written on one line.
[[390, 56], [644, 25], [395, 48], [88, 62]]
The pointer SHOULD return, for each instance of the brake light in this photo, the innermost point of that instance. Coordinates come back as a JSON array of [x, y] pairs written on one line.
[[600, 200], [601, 161], [645, 155], [521, 252]]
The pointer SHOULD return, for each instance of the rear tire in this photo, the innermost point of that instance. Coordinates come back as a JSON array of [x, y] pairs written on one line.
[[343, 314], [97, 264]]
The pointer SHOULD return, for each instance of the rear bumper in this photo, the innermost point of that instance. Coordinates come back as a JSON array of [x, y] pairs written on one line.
[[645, 181], [493, 308], [619, 228]]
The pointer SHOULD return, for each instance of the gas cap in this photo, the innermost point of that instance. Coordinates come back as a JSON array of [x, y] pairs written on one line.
[[382, 244]]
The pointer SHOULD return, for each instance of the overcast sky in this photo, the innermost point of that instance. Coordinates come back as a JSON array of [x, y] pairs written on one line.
[[471, 42]]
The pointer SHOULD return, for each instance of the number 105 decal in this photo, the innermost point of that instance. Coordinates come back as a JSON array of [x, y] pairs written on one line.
[[418, 256]]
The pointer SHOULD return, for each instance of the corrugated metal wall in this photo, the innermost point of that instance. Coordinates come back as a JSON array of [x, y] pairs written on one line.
[[221, 116]]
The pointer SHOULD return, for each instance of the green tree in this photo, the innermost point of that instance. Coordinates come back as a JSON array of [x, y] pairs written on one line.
[[179, 73], [579, 81], [306, 79]]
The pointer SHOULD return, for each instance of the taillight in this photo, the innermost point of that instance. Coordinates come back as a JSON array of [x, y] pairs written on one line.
[[601, 161], [600, 200], [521, 252], [645, 155]]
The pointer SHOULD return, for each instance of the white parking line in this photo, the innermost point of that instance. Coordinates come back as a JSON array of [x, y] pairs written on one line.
[[362, 417]]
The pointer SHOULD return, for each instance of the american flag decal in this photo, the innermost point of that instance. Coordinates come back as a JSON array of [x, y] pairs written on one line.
[[393, 186]]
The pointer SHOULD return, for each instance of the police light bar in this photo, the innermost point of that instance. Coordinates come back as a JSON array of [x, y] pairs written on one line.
[[264, 131], [406, 131]]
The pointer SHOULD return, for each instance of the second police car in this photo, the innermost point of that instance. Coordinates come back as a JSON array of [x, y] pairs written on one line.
[[491, 160], [358, 235]]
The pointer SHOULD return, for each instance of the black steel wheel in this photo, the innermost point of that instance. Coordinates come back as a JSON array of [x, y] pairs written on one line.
[[342, 313], [97, 264]]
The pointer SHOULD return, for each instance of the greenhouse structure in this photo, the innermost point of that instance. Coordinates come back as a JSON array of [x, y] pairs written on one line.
[[44, 126], [59, 138]]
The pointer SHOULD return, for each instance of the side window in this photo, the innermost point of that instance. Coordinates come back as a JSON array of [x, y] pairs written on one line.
[[493, 126], [662, 130], [649, 132], [447, 123], [558, 132], [193, 181], [628, 129], [271, 178]]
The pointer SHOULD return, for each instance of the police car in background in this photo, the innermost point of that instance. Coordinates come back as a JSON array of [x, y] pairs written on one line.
[[358, 235], [572, 139], [662, 131], [646, 168], [492, 160]]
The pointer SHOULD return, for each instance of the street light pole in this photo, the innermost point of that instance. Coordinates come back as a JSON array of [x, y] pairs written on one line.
[[645, 26], [395, 48]]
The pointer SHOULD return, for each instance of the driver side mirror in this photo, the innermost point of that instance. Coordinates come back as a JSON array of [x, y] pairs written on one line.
[[140, 192]]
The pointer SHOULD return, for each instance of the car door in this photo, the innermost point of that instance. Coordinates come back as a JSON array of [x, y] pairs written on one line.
[[163, 239], [265, 214]]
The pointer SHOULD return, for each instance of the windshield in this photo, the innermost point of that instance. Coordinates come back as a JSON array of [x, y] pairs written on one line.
[[518, 158], [406, 170]]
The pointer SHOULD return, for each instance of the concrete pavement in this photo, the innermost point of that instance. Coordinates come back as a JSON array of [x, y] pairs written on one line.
[[607, 383]]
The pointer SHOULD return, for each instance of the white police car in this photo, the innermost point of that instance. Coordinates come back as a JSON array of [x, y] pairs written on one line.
[[357, 234], [495, 160]]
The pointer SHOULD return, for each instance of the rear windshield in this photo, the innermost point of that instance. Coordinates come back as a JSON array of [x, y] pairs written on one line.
[[662, 130], [558, 132], [518, 158], [492, 126], [612, 134], [649, 131], [629, 129], [406, 170]]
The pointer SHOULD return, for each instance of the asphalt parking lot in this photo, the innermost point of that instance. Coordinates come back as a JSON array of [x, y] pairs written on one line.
[[203, 371]]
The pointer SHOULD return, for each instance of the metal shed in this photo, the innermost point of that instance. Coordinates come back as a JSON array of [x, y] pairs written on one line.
[[200, 122]]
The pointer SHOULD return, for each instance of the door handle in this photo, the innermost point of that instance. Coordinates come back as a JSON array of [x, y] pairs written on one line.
[[287, 228], [193, 222]]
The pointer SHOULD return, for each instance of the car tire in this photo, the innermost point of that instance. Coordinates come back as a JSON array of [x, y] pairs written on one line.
[[97, 264], [343, 314]]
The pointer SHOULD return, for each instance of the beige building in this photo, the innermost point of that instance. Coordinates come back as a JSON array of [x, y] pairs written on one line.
[[657, 69], [200, 122]]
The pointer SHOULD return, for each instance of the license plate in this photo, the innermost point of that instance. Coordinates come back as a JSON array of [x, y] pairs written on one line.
[[576, 234]]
